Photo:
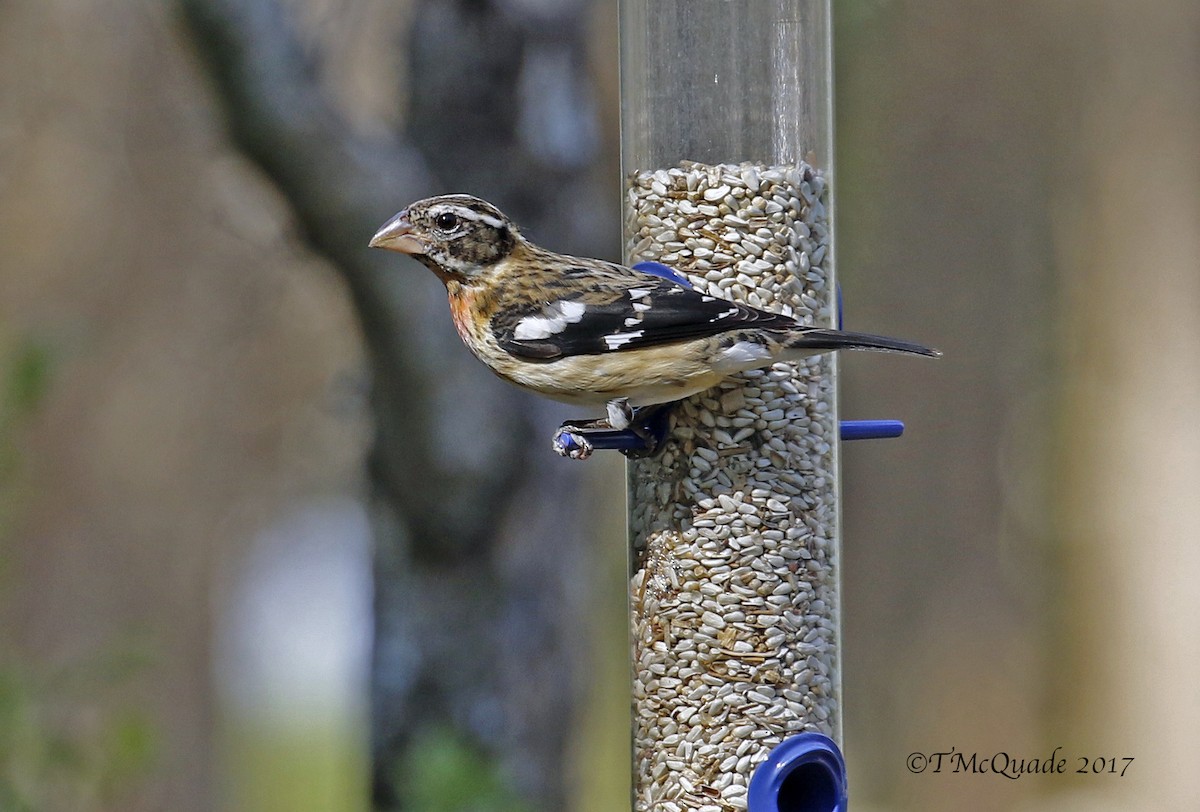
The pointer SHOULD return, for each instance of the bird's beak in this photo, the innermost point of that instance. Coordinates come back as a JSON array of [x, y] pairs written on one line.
[[396, 235]]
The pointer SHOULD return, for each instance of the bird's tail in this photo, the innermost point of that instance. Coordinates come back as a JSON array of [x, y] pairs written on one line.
[[818, 339]]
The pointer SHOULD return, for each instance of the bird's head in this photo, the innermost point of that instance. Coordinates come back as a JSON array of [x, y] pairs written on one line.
[[456, 236]]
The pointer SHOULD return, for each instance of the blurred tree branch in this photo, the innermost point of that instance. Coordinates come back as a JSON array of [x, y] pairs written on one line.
[[477, 583], [340, 187]]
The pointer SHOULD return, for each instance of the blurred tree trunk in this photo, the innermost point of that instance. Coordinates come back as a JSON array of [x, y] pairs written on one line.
[[1129, 207], [478, 566]]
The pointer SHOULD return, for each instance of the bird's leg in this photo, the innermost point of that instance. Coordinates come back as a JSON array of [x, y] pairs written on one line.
[[620, 413], [577, 439], [642, 433], [574, 438], [650, 425]]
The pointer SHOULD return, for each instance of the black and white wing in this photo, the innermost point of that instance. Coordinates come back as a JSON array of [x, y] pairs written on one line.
[[617, 312]]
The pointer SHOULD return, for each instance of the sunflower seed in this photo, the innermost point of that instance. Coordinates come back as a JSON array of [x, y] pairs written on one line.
[[734, 610]]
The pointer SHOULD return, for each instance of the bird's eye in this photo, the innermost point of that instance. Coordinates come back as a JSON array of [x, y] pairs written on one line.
[[446, 221]]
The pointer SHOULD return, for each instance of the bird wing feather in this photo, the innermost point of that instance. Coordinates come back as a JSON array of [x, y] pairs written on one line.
[[629, 310]]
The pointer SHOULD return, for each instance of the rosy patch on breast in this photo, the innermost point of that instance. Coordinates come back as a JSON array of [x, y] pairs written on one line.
[[460, 312]]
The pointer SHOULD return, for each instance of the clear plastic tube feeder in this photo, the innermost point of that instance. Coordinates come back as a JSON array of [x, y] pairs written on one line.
[[726, 135]]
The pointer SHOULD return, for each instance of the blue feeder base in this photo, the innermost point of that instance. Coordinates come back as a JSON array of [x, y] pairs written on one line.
[[805, 773]]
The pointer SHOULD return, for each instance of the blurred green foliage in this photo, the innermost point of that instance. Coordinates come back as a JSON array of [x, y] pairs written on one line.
[[24, 376], [294, 765], [63, 743], [443, 772]]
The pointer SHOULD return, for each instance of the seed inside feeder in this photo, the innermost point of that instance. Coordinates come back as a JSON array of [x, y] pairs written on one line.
[[734, 593]]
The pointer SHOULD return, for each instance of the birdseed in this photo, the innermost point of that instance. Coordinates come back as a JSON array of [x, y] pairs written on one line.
[[734, 589]]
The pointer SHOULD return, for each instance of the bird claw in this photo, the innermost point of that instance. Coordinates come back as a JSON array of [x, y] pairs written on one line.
[[644, 436], [569, 442]]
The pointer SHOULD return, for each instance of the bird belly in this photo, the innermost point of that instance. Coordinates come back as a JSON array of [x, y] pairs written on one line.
[[644, 377]]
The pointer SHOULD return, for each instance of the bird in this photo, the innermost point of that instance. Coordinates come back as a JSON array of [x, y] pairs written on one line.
[[590, 332]]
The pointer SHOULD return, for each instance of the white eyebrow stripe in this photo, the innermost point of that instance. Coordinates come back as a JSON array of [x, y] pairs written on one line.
[[466, 214], [487, 219]]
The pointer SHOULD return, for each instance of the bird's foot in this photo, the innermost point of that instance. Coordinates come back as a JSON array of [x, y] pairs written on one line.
[[640, 432], [571, 442]]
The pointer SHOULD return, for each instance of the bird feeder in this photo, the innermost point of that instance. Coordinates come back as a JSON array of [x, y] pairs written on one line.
[[726, 132]]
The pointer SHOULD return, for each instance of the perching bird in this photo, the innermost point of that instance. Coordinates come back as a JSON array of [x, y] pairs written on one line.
[[591, 332]]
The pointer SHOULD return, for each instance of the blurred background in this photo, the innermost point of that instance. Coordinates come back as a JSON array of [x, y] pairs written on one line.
[[271, 540]]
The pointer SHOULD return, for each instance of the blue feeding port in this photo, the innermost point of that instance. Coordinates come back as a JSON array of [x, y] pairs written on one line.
[[870, 429], [658, 269], [626, 440], [616, 439], [805, 773]]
